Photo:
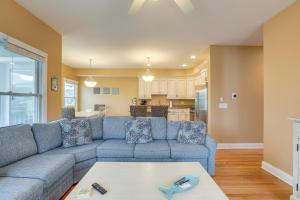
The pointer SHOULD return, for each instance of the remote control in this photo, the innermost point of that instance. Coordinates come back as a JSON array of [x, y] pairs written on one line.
[[180, 181], [99, 188]]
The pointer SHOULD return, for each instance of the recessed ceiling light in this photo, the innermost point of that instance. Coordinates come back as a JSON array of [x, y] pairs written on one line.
[[184, 65], [193, 57]]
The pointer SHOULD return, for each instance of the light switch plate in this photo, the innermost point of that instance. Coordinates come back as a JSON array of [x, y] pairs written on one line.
[[223, 105]]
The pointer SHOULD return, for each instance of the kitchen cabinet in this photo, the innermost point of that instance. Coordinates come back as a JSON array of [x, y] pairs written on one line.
[[173, 117], [176, 88], [159, 87], [144, 89], [190, 88], [201, 79], [172, 93], [179, 114], [181, 88]]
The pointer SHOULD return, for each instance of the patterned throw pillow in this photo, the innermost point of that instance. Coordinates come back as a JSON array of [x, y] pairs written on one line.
[[192, 132], [75, 132], [138, 131]]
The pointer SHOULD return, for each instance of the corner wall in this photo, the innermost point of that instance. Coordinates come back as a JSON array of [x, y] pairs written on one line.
[[236, 69], [281, 85], [17, 22]]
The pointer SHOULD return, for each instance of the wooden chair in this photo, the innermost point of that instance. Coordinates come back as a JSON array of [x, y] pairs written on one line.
[[138, 111], [68, 113], [101, 108], [159, 111]]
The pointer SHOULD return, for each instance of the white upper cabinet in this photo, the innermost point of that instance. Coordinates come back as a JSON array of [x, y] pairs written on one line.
[[164, 86], [174, 88], [159, 87], [144, 89], [155, 87], [177, 89], [190, 88], [181, 88], [172, 93], [202, 77]]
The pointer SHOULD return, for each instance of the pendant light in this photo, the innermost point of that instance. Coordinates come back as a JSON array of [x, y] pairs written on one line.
[[90, 82], [148, 76]]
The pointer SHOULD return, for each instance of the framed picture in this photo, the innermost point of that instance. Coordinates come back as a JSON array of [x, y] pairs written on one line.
[[54, 83], [106, 90], [115, 91], [96, 90]]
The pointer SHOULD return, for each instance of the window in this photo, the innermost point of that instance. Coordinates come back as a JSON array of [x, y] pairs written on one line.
[[70, 93], [20, 86]]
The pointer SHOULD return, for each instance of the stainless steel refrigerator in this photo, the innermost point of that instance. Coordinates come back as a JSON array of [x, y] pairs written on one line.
[[201, 103]]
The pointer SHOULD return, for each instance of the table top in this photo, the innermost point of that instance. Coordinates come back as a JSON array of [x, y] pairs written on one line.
[[136, 181], [87, 114]]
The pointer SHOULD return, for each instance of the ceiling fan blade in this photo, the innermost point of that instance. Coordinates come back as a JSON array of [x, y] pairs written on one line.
[[136, 6], [185, 5]]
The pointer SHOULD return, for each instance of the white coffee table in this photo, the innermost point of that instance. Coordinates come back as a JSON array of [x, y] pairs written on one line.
[[140, 181]]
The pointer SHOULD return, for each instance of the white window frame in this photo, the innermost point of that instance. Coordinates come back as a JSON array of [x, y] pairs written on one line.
[[76, 98], [44, 70]]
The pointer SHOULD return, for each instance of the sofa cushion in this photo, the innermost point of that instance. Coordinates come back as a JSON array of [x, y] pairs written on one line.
[[158, 127], [80, 153], [47, 136], [115, 149], [157, 149], [76, 132], [114, 127], [96, 127], [16, 143], [172, 129], [48, 168], [138, 131], [187, 151], [192, 132], [20, 189]]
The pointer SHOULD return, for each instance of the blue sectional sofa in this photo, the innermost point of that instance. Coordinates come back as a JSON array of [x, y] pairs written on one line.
[[34, 166]]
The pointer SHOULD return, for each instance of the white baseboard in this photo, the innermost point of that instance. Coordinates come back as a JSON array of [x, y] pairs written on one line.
[[285, 177], [240, 146]]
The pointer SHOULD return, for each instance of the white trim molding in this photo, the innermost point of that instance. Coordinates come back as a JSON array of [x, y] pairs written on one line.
[[240, 146], [285, 177]]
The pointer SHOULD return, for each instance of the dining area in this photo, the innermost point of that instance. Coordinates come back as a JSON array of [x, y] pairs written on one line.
[[70, 112]]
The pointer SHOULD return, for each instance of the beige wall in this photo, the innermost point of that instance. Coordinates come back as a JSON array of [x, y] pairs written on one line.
[[17, 22], [119, 104], [236, 69], [68, 73], [281, 85]]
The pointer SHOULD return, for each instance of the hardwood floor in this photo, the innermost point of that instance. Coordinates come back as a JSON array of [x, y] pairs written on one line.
[[239, 174]]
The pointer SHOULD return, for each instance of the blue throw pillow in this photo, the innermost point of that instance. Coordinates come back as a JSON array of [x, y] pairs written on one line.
[[192, 132], [76, 132], [138, 131]]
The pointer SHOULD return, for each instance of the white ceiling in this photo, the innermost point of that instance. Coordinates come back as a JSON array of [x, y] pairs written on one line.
[[102, 29]]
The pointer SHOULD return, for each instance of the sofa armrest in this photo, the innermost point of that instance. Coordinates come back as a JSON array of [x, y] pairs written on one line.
[[211, 144]]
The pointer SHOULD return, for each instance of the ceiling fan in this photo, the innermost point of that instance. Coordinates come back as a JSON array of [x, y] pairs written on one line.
[[186, 6]]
